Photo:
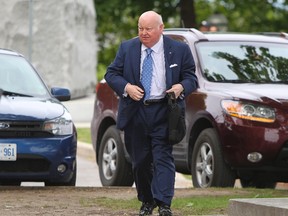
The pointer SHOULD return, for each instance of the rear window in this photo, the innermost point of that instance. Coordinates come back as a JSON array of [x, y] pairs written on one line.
[[243, 62]]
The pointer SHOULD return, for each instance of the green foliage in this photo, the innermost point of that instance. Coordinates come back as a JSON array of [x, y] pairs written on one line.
[[211, 201], [84, 135], [255, 15], [101, 69], [251, 15], [117, 20]]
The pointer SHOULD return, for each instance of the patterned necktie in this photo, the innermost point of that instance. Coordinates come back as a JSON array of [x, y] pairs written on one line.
[[147, 69]]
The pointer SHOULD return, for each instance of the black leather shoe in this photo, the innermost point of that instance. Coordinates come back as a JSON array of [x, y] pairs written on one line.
[[147, 208], [164, 210]]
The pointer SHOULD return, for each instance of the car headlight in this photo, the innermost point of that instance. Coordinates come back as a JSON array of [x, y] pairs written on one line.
[[249, 111], [60, 126]]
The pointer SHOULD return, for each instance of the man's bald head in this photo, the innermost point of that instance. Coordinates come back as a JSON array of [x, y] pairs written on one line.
[[150, 28]]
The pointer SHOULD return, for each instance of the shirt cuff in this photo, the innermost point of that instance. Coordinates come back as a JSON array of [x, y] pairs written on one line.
[[125, 94]]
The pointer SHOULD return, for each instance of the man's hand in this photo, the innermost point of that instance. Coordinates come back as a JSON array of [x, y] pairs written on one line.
[[177, 89], [135, 92]]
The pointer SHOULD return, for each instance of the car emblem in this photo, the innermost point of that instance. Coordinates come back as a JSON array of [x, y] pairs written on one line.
[[4, 125]]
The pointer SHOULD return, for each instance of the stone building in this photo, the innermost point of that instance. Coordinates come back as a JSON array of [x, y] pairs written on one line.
[[58, 37]]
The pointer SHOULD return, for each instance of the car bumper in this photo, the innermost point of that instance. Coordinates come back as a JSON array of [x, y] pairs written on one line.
[[39, 159], [271, 142]]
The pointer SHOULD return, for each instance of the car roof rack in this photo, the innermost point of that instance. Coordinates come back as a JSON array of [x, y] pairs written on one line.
[[275, 34], [198, 34], [284, 34]]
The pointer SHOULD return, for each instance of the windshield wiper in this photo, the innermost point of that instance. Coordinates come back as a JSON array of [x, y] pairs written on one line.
[[253, 81], [269, 81], [278, 82], [10, 93]]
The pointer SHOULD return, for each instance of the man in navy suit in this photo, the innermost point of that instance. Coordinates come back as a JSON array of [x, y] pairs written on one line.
[[145, 121]]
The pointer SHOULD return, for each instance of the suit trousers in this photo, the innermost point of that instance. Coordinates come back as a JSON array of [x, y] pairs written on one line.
[[146, 140]]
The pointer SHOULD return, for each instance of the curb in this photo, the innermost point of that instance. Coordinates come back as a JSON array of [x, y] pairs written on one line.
[[86, 150]]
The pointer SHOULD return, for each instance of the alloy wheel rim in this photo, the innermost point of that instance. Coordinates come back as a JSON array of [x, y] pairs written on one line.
[[109, 158], [204, 165]]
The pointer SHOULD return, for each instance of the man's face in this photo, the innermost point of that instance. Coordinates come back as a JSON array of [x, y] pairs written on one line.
[[149, 31]]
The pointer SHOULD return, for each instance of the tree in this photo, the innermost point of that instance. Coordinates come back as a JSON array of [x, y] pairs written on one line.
[[117, 20], [256, 15], [187, 13]]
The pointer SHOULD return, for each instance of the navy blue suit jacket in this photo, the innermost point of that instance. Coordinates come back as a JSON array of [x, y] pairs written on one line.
[[179, 64]]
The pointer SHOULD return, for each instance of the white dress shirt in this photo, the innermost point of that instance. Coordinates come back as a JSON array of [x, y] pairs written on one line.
[[158, 85]]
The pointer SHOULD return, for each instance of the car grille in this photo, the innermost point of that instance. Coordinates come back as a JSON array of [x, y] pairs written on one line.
[[22, 130], [24, 164]]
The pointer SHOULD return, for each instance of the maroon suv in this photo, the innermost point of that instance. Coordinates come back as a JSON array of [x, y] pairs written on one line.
[[237, 121]]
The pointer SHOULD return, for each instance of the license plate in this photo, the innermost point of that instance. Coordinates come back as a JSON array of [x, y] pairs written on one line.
[[8, 151]]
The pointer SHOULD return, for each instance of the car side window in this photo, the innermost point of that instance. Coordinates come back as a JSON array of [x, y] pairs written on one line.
[[178, 38], [243, 62]]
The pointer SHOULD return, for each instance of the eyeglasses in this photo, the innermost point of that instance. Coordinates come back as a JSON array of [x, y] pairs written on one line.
[[148, 29]]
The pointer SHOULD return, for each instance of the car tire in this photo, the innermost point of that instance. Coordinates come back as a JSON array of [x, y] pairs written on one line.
[[114, 169], [257, 183], [72, 181], [208, 167], [10, 183]]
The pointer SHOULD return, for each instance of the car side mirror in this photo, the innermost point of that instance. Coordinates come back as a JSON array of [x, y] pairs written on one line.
[[62, 94]]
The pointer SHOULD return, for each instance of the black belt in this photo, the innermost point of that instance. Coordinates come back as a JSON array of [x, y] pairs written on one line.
[[154, 101]]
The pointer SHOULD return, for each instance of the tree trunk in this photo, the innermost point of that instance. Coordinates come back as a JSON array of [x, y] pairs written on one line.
[[187, 13]]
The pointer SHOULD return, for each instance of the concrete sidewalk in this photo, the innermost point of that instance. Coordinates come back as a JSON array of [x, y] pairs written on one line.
[[86, 151], [258, 207]]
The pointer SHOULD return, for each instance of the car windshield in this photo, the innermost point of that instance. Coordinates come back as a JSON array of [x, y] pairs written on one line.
[[18, 78], [241, 62]]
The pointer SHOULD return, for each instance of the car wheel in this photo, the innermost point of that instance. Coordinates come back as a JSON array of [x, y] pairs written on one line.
[[208, 167], [72, 181], [257, 183], [114, 169]]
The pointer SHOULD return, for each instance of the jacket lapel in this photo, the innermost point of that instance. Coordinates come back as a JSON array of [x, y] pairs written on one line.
[[136, 58], [168, 53]]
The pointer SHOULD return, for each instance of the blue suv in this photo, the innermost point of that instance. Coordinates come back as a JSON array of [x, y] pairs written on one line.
[[38, 140]]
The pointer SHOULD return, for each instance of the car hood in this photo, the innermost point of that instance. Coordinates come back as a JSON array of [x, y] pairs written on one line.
[[267, 93], [29, 109]]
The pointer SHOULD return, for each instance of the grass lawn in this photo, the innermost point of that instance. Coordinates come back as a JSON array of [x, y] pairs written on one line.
[[212, 201], [192, 201], [84, 135]]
